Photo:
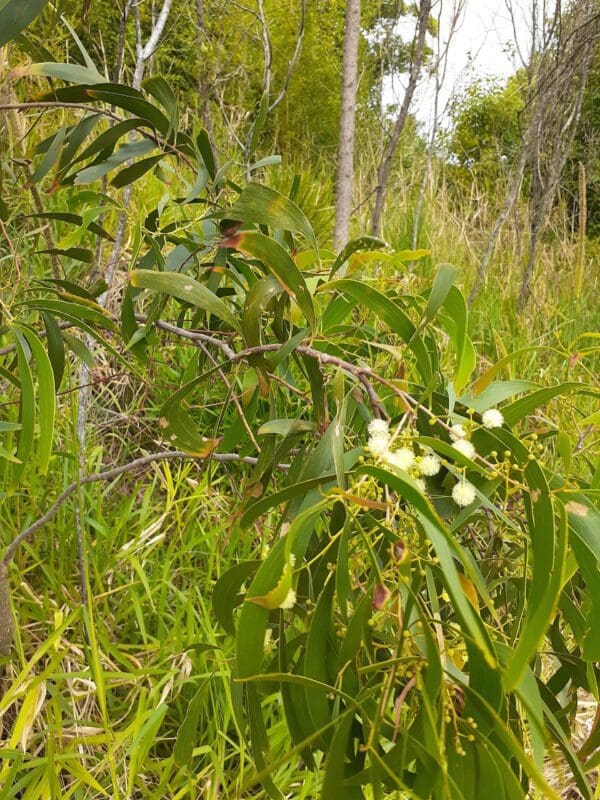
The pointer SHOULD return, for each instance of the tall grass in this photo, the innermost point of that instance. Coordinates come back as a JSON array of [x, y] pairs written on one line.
[[93, 702]]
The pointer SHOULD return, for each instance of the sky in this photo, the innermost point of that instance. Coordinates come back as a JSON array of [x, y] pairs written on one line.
[[482, 46]]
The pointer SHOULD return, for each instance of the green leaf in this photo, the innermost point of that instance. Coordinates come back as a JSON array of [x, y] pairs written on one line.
[[389, 312], [565, 448], [519, 409], [74, 310], [253, 619], [286, 427], [26, 408], [187, 735], [584, 524], [495, 393], [456, 326], [182, 429], [51, 156], [268, 161], [204, 146], [258, 298], [282, 496], [439, 292], [135, 171], [361, 243], [488, 376], [133, 101], [56, 348], [106, 141], [126, 152], [76, 253], [184, 288], [16, 15], [158, 87], [316, 657], [277, 259], [71, 73], [261, 205], [46, 397], [225, 592], [546, 583], [333, 779], [72, 219]]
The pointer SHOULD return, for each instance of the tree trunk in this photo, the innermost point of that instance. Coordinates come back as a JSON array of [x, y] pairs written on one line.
[[343, 200], [385, 167], [203, 84]]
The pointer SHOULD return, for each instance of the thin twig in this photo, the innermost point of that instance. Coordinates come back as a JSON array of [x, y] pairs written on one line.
[[108, 475]]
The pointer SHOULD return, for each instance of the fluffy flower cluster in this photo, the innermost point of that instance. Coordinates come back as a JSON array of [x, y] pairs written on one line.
[[380, 445], [463, 493], [379, 437], [492, 418]]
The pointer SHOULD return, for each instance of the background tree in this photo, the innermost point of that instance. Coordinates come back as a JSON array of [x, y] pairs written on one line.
[[416, 64], [345, 167]]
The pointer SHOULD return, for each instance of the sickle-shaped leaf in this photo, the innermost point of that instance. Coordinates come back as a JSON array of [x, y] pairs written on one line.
[[277, 259], [72, 73], [125, 152], [390, 313], [51, 156], [225, 592], [26, 408], [286, 427], [546, 581], [258, 298], [46, 398], [456, 325], [519, 409], [262, 205], [184, 288], [362, 243], [135, 171], [439, 292]]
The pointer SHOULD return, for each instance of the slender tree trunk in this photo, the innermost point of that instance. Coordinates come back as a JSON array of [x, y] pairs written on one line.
[[511, 198], [385, 168], [564, 146], [343, 200], [203, 85]]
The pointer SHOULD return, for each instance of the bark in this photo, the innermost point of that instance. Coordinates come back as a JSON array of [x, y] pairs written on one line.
[[559, 57], [385, 167], [203, 81], [560, 111], [343, 202]]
